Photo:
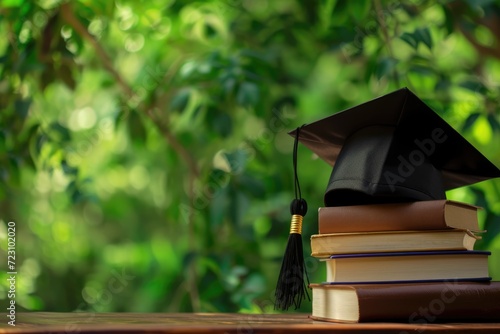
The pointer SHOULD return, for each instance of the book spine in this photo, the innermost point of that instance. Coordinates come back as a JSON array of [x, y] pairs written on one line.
[[425, 215]]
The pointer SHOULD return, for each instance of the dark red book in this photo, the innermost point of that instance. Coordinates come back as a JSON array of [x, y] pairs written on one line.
[[419, 303]]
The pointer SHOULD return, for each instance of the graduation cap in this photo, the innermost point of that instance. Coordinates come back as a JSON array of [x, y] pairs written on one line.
[[391, 149], [394, 148]]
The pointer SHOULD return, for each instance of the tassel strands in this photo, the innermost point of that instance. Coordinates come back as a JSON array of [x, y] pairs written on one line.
[[291, 288]]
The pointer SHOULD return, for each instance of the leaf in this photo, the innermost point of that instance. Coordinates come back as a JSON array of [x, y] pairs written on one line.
[[22, 107], [136, 127], [449, 20], [219, 121], [410, 39], [237, 160], [40, 142], [385, 67], [210, 30], [443, 84], [238, 203], [180, 100], [77, 196], [359, 9], [59, 133], [223, 124], [14, 171], [474, 86], [325, 11], [67, 169], [248, 94], [469, 122], [252, 185], [423, 35], [421, 69], [3, 141], [495, 125], [218, 203], [229, 85]]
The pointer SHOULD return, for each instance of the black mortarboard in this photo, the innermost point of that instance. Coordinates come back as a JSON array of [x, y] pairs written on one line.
[[394, 148]]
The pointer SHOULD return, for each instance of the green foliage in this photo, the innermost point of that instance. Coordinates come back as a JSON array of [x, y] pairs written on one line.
[[143, 146]]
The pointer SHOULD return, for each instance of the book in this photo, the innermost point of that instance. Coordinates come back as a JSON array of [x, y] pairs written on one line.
[[407, 266], [420, 215], [421, 303], [324, 245]]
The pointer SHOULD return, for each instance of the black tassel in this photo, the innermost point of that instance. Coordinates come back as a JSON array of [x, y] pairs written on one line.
[[291, 287]]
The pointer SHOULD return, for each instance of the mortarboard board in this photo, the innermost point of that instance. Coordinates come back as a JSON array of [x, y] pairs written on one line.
[[394, 148]]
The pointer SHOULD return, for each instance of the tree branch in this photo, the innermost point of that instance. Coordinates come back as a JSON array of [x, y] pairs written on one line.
[[148, 109], [69, 17]]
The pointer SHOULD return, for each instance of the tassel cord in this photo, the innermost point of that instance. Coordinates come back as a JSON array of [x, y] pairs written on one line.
[[291, 288]]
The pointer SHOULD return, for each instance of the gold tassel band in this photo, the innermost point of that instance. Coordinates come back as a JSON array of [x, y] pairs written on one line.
[[296, 225]]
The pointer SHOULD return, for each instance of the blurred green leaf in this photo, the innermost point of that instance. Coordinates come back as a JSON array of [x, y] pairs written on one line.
[[237, 160], [59, 132], [3, 141], [40, 142], [220, 122], [410, 39], [494, 123], [136, 127], [248, 94], [253, 186], [22, 107], [68, 169], [14, 170], [469, 122], [474, 86], [423, 35], [385, 67], [359, 9], [180, 100], [449, 20]]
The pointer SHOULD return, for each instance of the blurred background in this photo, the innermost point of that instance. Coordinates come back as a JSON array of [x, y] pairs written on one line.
[[144, 154]]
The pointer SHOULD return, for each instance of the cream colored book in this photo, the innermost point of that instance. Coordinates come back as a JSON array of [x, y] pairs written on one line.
[[324, 245], [407, 266]]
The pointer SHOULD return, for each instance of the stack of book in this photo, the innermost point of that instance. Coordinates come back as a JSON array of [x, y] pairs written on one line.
[[412, 262]]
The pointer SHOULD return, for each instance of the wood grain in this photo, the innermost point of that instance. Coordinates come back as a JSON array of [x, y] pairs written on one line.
[[94, 323]]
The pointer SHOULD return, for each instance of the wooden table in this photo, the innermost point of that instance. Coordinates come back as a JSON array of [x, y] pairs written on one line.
[[47, 322]]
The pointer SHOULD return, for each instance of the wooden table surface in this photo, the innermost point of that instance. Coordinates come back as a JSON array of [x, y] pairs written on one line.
[[48, 322]]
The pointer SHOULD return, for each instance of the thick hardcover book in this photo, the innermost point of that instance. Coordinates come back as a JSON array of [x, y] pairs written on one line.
[[421, 303], [421, 215], [407, 266], [324, 245]]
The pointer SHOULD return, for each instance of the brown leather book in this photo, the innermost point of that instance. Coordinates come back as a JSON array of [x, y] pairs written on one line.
[[419, 303], [421, 215]]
